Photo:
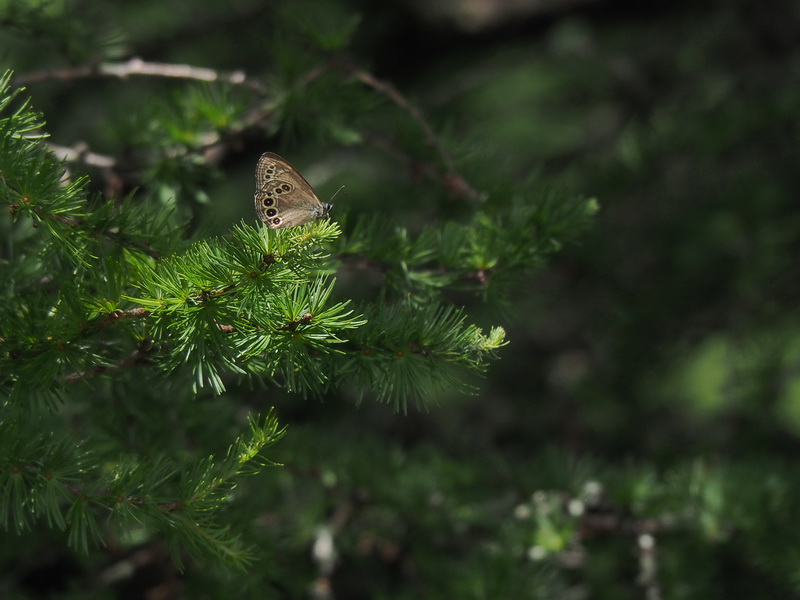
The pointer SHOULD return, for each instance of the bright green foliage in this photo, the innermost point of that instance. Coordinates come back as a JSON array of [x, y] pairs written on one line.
[[73, 487]]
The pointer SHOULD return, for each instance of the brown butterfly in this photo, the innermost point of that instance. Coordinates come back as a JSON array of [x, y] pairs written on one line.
[[283, 197]]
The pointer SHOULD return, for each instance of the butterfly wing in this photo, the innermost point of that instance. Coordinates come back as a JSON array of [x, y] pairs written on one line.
[[283, 197]]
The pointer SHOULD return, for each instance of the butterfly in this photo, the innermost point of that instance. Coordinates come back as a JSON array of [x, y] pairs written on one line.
[[283, 197]]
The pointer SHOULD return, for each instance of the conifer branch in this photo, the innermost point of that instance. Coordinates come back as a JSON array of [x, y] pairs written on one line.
[[135, 358], [455, 182], [456, 185], [480, 275], [139, 67], [81, 153], [295, 323], [77, 223]]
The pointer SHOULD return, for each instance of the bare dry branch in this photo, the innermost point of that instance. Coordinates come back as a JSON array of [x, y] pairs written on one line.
[[137, 66]]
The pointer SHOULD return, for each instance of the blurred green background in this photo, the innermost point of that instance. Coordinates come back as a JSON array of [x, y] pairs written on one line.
[[656, 361]]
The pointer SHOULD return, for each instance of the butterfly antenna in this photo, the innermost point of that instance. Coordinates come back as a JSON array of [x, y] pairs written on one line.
[[337, 192]]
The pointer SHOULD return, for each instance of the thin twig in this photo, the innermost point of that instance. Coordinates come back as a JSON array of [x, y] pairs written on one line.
[[453, 180], [480, 275], [456, 184], [133, 359], [137, 66], [391, 92], [118, 315], [142, 245], [80, 153]]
